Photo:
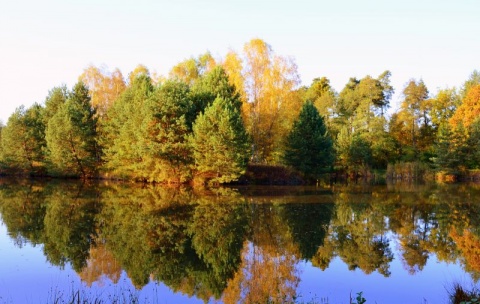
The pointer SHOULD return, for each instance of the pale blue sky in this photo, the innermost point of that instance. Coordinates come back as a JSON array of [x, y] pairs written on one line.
[[46, 43]]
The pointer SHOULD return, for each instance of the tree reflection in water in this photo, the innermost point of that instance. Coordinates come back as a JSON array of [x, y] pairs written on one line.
[[235, 247]]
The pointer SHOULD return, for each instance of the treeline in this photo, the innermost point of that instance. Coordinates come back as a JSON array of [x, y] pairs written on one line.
[[210, 118]]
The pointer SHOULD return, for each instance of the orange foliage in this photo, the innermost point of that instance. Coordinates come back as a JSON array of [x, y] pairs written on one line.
[[104, 87], [469, 245], [469, 110], [101, 263], [270, 84], [263, 277]]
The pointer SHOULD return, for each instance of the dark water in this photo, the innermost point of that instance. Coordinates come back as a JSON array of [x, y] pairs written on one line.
[[395, 243]]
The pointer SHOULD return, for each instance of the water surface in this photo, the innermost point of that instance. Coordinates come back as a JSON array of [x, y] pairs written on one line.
[[395, 243]]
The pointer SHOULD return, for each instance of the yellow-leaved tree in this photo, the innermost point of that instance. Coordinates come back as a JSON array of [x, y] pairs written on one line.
[[268, 85], [104, 87], [469, 110], [191, 69]]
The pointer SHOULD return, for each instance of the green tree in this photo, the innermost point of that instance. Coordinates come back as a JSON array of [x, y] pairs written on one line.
[[23, 140], [413, 121], [322, 95], [443, 147], [123, 136], [55, 99], [363, 101], [360, 109], [221, 146], [359, 154], [309, 147], [214, 84], [473, 142], [354, 151], [443, 106], [167, 153], [71, 136], [342, 147], [451, 148]]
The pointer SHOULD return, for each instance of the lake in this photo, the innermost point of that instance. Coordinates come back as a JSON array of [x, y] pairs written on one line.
[[398, 243]]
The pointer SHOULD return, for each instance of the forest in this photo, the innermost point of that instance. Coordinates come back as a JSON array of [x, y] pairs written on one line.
[[210, 120]]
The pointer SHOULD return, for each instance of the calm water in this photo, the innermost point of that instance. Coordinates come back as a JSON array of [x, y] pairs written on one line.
[[396, 243]]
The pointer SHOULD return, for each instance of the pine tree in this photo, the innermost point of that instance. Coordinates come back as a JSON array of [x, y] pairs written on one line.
[[56, 97], [443, 148], [71, 136], [123, 135], [23, 141], [167, 152], [220, 143], [309, 147]]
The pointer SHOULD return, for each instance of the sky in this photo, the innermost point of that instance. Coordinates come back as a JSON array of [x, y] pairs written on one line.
[[44, 44]]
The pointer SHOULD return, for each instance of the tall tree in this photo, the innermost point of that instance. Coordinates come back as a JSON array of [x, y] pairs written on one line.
[[215, 84], [233, 66], [167, 152], [220, 143], [359, 112], [444, 149], [309, 147], [55, 99], [443, 106], [364, 101], [413, 120], [71, 136], [123, 137], [354, 151], [273, 103], [322, 95]]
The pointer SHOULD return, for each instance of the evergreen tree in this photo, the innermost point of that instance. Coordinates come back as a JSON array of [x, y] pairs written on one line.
[[220, 143], [23, 141], [207, 88], [443, 148], [323, 97], [123, 136], [473, 143], [71, 136], [309, 147], [216, 84], [360, 153], [55, 99], [167, 151], [451, 148]]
